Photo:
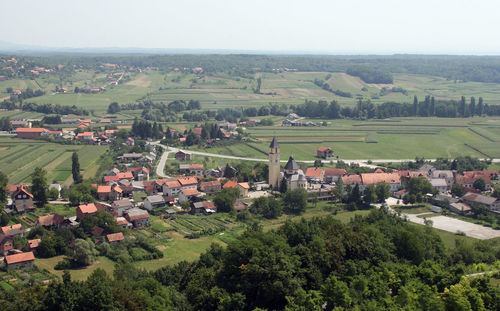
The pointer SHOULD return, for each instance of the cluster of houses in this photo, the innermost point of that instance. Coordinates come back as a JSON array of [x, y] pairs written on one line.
[[102, 137]]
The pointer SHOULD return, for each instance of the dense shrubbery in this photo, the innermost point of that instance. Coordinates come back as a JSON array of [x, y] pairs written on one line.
[[370, 74]]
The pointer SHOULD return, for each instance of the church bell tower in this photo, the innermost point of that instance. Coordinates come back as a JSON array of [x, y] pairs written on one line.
[[274, 164]]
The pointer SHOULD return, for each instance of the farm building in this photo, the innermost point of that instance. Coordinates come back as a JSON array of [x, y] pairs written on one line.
[[324, 152], [17, 261]]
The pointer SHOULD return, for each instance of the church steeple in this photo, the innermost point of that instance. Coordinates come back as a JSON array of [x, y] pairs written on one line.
[[274, 164]]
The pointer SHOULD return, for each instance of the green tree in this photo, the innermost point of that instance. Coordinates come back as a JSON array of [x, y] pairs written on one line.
[[97, 292], [39, 186], [338, 190], [225, 198], [370, 195], [114, 107], [336, 293], [267, 207], [3, 190], [383, 191], [496, 191], [75, 169], [457, 190], [462, 297], [479, 184], [84, 252], [295, 201]]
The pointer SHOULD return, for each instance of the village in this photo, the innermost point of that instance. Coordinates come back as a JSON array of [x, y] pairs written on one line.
[[194, 190]]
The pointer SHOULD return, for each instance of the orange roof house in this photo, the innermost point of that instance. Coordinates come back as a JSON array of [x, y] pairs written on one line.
[[313, 173], [230, 184], [85, 209], [197, 130], [115, 237], [23, 132], [19, 260]]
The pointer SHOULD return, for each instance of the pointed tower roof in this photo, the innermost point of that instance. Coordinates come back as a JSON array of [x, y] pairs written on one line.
[[274, 143], [291, 164]]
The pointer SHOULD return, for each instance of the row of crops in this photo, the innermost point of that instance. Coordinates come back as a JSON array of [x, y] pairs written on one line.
[[196, 226]]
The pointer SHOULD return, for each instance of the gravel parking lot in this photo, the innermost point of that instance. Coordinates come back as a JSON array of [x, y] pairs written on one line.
[[453, 225]]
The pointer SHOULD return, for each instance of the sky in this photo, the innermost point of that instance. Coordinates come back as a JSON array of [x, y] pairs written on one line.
[[312, 26]]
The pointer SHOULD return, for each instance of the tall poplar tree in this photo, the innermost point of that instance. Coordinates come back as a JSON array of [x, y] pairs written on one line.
[[75, 169], [39, 186]]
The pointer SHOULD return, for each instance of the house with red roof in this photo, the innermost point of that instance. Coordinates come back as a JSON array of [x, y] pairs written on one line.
[[32, 245], [333, 174], [19, 261], [392, 179], [171, 188], [230, 184], [29, 133], [324, 152], [22, 200], [210, 186], [188, 182], [7, 235], [85, 209], [53, 220], [115, 237], [85, 136], [197, 130], [244, 187], [314, 174]]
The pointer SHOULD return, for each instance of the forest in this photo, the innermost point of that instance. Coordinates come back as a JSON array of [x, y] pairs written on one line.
[[377, 262]]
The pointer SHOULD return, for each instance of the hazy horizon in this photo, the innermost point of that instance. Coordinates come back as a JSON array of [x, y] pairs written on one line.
[[317, 27]]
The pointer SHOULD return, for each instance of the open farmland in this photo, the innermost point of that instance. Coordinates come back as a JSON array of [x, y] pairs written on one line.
[[19, 157], [384, 139], [221, 90]]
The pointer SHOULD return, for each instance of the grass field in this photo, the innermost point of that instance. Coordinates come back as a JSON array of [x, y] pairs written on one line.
[[19, 157], [403, 138], [220, 90]]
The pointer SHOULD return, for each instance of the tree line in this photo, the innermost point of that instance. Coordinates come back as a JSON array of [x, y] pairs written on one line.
[[377, 262]]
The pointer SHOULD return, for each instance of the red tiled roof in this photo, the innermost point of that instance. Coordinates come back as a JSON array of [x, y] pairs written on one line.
[[30, 130], [230, 184], [6, 229], [313, 172], [17, 258], [197, 130], [186, 181], [125, 175], [323, 149], [173, 184], [34, 243], [85, 134], [117, 188], [190, 191], [213, 183], [50, 220], [196, 166], [244, 185], [375, 178], [122, 222], [104, 189], [110, 178], [114, 237], [87, 208], [351, 179], [335, 172]]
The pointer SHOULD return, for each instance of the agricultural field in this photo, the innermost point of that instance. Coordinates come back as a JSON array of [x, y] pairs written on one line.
[[19, 157], [221, 90], [382, 139]]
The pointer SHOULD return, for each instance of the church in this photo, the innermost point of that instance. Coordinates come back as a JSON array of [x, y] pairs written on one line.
[[291, 174]]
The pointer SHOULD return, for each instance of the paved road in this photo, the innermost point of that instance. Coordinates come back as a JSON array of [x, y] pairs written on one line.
[[160, 168]]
